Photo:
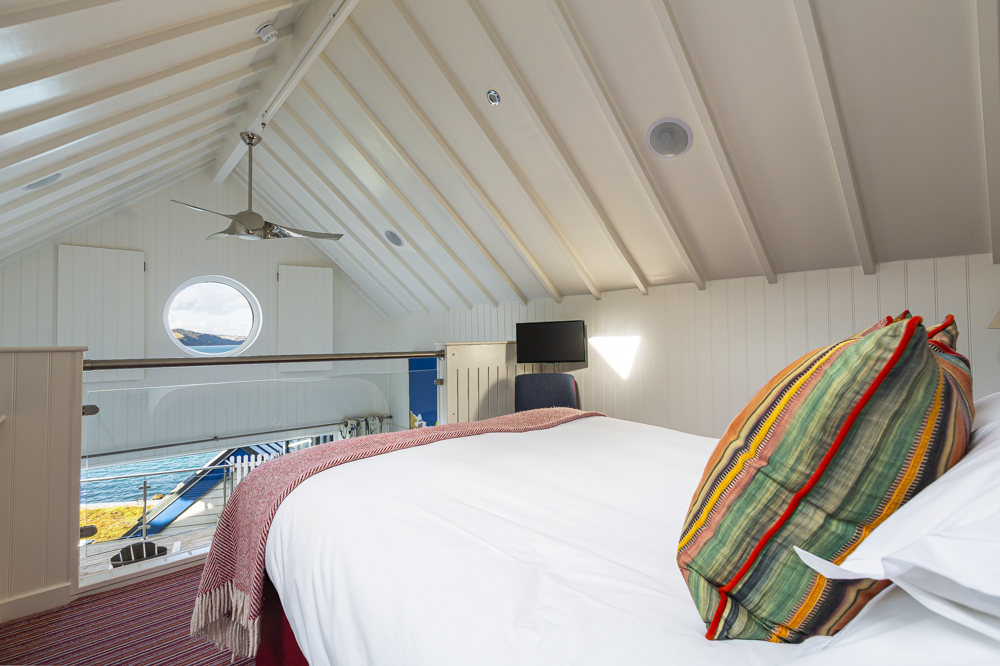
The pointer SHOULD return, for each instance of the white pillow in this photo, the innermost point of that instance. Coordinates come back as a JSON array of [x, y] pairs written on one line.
[[943, 546]]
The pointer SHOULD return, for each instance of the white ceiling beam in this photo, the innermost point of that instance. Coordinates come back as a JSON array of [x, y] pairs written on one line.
[[373, 200], [36, 116], [988, 23], [403, 155], [97, 208], [327, 248], [358, 215], [197, 134], [697, 95], [505, 228], [501, 151], [313, 30], [71, 136], [104, 209], [40, 12], [396, 191], [517, 83], [585, 61], [69, 161], [34, 217], [75, 61], [809, 28]]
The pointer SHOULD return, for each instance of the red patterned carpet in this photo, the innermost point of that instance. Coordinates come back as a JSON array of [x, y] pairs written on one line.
[[145, 624]]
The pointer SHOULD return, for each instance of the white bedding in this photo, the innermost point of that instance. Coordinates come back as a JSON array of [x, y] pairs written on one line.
[[548, 547]]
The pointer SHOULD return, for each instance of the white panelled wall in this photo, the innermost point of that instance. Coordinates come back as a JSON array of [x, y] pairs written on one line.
[[172, 239], [703, 354]]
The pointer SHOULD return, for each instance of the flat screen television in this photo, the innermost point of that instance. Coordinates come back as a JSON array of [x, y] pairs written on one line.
[[552, 342]]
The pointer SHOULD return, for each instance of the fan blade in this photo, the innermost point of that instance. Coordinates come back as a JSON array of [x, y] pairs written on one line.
[[234, 229], [307, 234], [204, 210], [220, 234]]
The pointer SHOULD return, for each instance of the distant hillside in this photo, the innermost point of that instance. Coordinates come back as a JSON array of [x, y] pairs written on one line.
[[195, 339]]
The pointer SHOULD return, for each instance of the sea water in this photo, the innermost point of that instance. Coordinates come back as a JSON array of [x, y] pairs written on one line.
[[130, 490], [213, 349]]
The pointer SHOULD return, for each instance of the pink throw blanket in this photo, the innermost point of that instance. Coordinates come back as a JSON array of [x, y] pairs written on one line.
[[227, 609]]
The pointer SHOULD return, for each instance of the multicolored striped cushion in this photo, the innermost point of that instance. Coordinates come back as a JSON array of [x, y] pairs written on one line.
[[828, 449]]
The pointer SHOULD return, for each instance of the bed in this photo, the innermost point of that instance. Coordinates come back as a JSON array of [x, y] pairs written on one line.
[[549, 547]]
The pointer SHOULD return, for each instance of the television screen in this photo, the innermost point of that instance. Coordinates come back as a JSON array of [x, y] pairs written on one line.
[[552, 342]]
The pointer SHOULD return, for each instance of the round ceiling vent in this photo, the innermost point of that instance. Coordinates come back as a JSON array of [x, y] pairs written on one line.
[[393, 238], [669, 137], [42, 182]]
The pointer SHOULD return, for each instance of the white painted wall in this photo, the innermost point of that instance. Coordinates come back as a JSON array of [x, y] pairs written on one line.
[[172, 238], [703, 354]]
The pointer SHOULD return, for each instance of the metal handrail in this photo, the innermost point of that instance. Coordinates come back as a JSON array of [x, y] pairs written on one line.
[[169, 471], [142, 363]]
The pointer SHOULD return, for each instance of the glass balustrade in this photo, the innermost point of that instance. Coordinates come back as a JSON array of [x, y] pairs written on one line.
[[160, 461]]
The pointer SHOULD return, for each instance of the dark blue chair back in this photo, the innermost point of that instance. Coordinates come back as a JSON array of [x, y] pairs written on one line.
[[545, 390]]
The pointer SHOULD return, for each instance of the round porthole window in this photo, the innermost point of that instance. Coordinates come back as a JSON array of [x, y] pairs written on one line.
[[212, 315]]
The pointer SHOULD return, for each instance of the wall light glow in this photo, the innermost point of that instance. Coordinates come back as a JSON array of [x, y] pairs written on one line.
[[617, 351]]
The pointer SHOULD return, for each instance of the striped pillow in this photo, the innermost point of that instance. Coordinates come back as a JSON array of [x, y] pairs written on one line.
[[828, 449]]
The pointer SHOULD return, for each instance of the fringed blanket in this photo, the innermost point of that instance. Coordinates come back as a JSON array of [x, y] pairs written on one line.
[[227, 609]]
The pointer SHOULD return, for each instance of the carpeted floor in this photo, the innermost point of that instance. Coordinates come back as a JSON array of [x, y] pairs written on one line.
[[144, 624]]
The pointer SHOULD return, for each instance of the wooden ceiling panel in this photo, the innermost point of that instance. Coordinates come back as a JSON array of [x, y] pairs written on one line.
[[907, 77]]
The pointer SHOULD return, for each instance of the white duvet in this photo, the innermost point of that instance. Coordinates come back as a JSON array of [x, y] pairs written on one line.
[[548, 547]]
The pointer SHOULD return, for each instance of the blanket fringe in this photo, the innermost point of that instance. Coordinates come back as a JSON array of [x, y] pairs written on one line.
[[222, 616]]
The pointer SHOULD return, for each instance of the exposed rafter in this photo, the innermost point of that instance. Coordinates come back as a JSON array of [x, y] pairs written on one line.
[[36, 116], [358, 215], [571, 35], [988, 20], [335, 252], [42, 11], [517, 83], [499, 147], [403, 155], [683, 59], [71, 160], [835, 128], [498, 218], [69, 63], [98, 206], [345, 228], [314, 28], [77, 134], [199, 134], [31, 219], [374, 201], [396, 191]]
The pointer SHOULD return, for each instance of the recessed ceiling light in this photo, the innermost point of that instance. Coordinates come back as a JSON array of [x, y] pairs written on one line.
[[493, 97], [393, 238], [669, 138], [42, 182]]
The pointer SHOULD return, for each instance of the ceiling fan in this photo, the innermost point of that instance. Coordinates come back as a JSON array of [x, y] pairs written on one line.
[[249, 225]]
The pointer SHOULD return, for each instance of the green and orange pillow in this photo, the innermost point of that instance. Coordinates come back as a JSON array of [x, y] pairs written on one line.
[[828, 449]]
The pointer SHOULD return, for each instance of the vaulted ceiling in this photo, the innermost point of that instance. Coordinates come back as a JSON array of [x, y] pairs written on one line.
[[826, 133]]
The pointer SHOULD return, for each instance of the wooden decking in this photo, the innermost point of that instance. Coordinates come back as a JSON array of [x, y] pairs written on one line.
[[96, 557]]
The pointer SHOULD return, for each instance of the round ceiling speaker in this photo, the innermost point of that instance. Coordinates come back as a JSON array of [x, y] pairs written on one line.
[[669, 137], [48, 180], [393, 238], [493, 97]]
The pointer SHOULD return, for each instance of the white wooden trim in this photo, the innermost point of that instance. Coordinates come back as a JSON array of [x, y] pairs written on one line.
[[399, 194], [517, 83], [28, 75], [76, 134], [37, 116], [403, 155], [835, 126], [683, 59], [48, 10], [354, 210], [314, 28]]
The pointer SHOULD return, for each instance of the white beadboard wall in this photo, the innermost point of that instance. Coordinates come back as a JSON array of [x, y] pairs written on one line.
[[703, 354], [172, 238]]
